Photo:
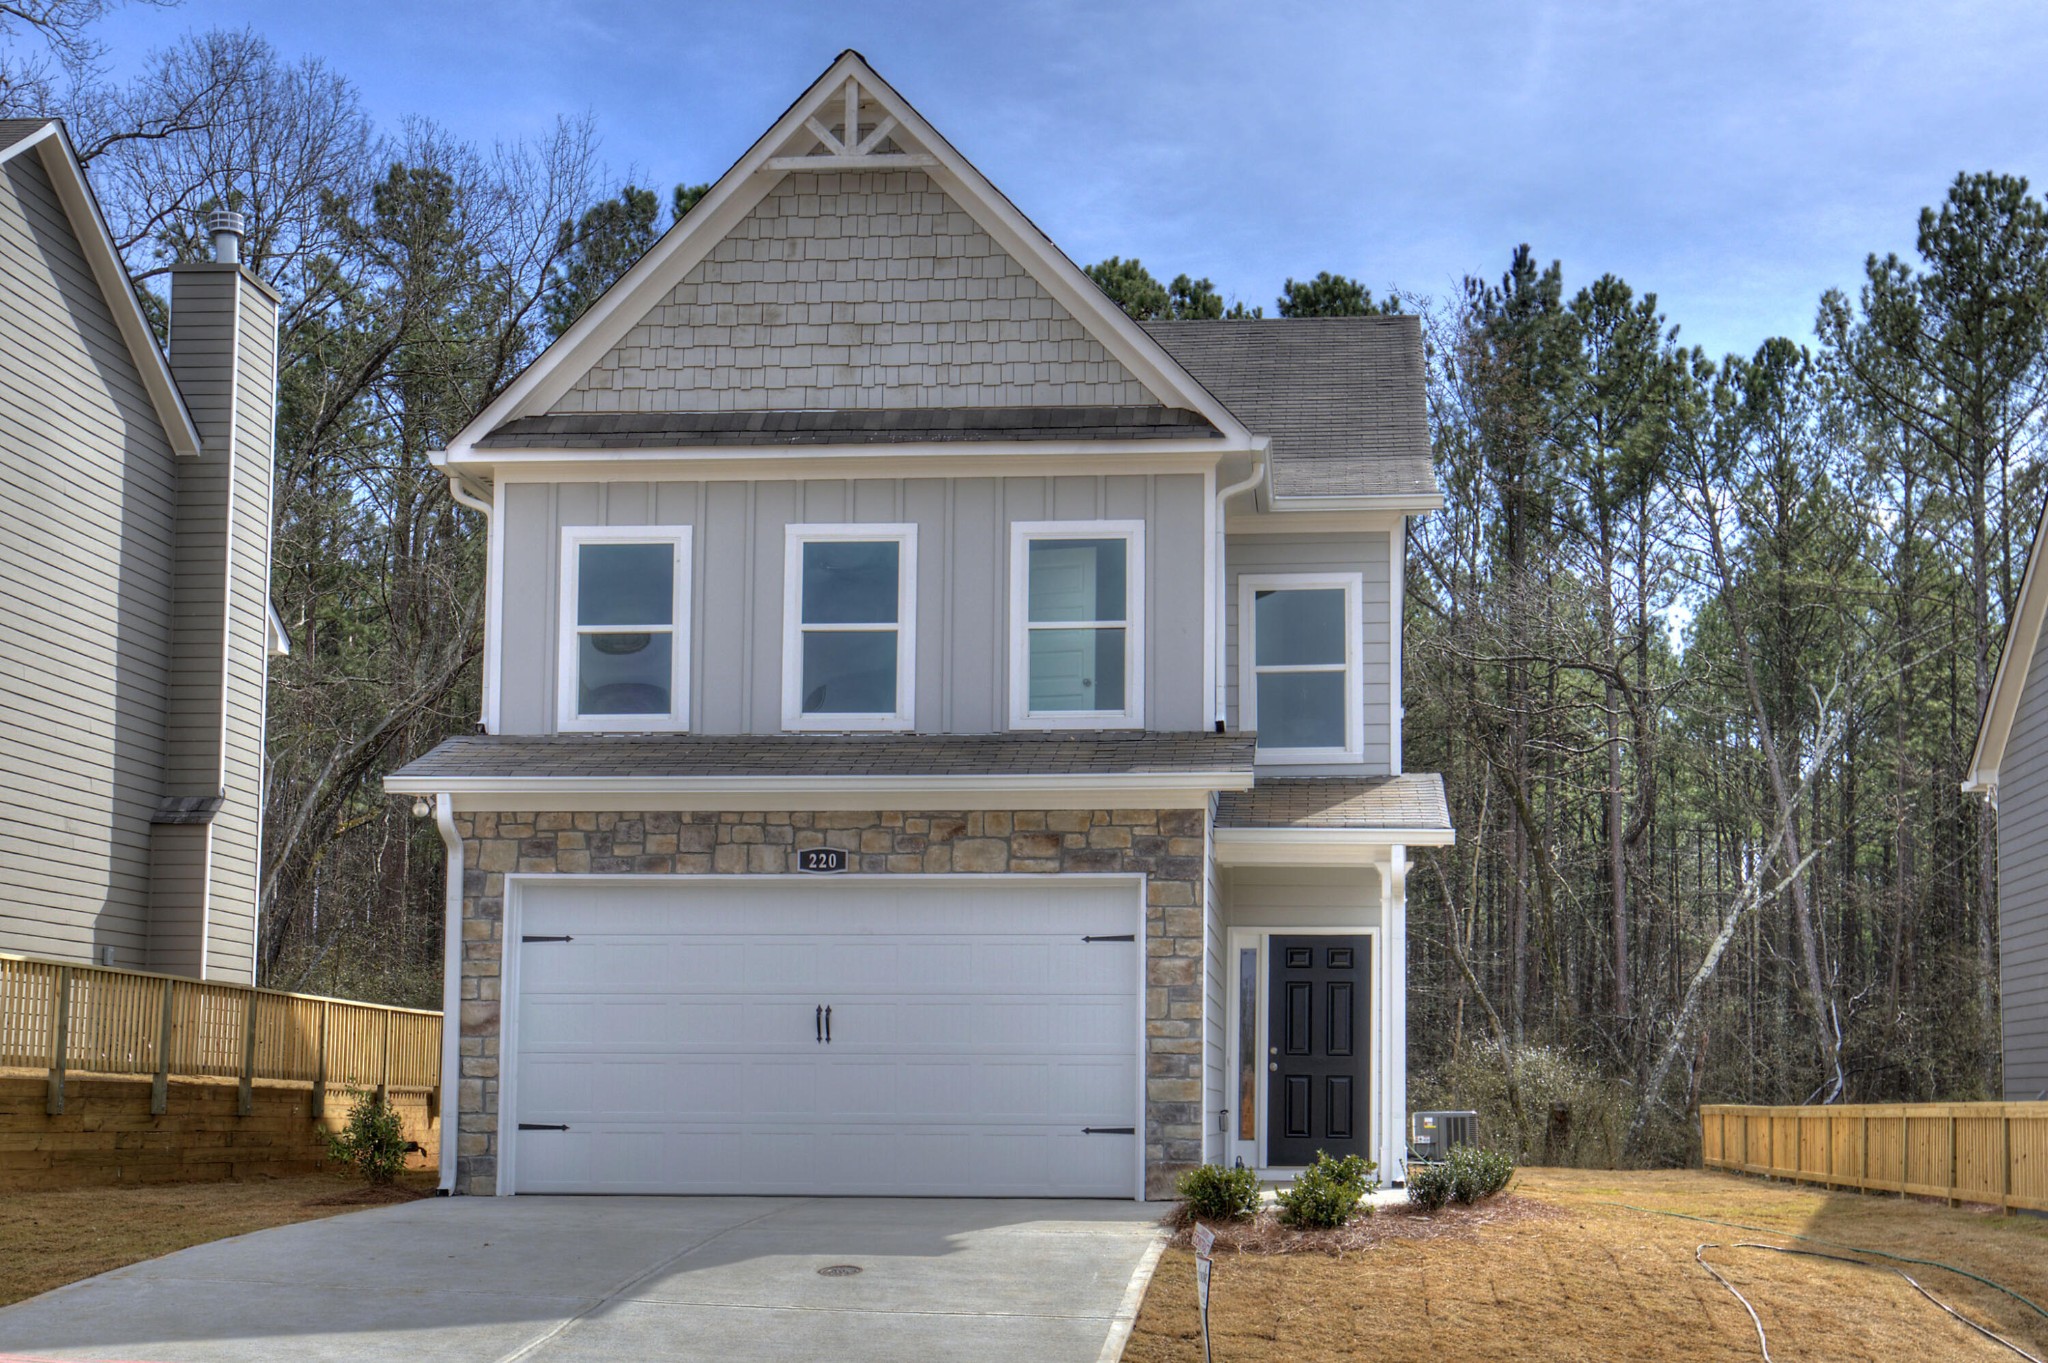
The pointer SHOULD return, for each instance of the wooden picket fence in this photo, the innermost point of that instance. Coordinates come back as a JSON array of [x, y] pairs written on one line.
[[1994, 1153], [95, 1019]]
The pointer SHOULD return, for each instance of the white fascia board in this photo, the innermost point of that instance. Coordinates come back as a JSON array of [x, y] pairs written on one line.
[[1135, 790], [1321, 846], [1408, 503], [110, 272], [768, 462], [1314, 522], [2022, 638]]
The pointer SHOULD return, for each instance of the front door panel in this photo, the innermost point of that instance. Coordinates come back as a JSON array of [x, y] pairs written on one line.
[[1320, 997]]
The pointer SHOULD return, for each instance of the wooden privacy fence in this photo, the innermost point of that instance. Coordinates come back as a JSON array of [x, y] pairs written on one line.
[[1994, 1153], [63, 1017]]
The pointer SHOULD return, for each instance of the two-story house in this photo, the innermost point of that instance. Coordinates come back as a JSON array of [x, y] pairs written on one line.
[[134, 586], [940, 736]]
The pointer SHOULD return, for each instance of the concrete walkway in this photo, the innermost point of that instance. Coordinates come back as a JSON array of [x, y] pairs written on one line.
[[550, 1280]]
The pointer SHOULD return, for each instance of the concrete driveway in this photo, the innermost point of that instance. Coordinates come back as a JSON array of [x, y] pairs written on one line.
[[494, 1280]]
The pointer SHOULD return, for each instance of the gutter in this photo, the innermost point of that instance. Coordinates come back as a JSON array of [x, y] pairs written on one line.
[[451, 995], [1222, 583], [991, 783], [464, 497]]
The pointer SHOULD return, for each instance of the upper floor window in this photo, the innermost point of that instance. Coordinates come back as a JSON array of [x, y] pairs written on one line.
[[1301, 666], [1076, 626], [849, 613], [625, 628]]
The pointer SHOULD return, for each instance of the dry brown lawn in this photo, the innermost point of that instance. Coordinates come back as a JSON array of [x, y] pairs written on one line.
[[1563, 1277], [48, 1239]]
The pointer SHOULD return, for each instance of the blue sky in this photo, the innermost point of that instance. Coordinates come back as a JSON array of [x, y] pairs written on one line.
[[1734, 157]]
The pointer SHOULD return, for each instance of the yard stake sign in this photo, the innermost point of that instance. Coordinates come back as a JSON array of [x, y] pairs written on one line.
[[1205, 1240]]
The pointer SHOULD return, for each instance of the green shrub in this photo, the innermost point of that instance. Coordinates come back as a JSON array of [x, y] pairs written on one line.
[[1328, 1192], [373, 1143], [1429, 1186], [1214, 1193], [1478, 1174], [1466, 1175]]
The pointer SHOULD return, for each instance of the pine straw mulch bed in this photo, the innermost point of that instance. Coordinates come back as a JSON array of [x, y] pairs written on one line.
[[1264, 1233], [1553, 1272], [57, 1236]]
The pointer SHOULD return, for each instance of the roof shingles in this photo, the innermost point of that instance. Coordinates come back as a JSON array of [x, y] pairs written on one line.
[[1344, 400], [803, 756], [864, 426]]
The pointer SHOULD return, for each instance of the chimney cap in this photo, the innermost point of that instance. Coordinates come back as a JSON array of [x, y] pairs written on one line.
[[225, 226]]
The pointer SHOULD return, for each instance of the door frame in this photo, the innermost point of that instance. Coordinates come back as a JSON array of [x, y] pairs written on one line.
[[1237, 940], [507, 1123]]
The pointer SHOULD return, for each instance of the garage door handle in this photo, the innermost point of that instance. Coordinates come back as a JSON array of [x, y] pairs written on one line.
[[818, 1023], [543, 1126], [1109, 1130], [828, 1024]]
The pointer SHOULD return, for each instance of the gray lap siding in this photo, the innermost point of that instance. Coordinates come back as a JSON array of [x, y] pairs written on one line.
[[2023, 889], [1168, 847]]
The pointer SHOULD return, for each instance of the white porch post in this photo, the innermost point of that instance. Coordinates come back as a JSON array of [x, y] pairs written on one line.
[[1393, 1088]]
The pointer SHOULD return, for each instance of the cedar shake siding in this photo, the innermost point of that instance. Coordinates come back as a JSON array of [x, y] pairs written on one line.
[[86, 540], [855, 290]]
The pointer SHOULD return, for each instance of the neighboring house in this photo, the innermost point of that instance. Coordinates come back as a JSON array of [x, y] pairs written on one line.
[[2010, 769], [855, 530], [134, 587]]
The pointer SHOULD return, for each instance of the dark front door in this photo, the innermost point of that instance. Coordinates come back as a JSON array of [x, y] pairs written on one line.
[[1317, 1032]]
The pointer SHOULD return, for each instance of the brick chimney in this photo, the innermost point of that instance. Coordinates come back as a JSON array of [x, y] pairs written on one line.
[[206, 839]]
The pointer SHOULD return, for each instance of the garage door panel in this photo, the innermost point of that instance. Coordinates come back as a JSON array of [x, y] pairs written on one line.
[[974, 1035]]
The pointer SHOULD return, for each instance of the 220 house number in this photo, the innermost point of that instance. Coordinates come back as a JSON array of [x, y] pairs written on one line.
[[821, 859]]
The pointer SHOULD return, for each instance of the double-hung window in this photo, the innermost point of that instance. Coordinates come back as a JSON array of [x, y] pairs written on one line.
[[1077, 641], [625, 628], [1301, 666], [849, 632]]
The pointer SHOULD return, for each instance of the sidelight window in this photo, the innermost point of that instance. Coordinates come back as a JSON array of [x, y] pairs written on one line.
[[624, 628], [849, 611], [1076, 636], [1301, 666]]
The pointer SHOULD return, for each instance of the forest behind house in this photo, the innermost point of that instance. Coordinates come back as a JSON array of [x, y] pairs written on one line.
[[1699, 642]]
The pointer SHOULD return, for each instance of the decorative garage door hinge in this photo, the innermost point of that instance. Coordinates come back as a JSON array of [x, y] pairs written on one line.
[[547, 939], [1114, 937], [1109, 1130], [543, 1126]]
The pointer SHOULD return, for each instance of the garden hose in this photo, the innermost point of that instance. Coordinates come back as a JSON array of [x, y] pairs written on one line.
[[1911, 1281], [1836, 1244]]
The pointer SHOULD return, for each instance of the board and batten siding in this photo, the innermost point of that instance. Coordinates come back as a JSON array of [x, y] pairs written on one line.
[[963, 604], [2023, 888], [85, 595], [1363, 552]]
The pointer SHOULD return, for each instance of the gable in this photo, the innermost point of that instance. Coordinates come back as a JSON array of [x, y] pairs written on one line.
[[850, 290]]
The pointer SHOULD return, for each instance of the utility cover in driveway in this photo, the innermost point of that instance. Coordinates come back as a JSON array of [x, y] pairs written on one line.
[[939, 1036]]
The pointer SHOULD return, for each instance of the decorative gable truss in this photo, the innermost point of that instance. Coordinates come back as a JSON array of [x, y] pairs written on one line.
[[852, 259]]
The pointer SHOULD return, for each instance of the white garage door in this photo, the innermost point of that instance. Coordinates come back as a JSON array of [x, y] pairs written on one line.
[[676, 1041]]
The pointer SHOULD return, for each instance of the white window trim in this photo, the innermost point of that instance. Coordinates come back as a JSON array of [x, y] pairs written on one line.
[[1132, 716], [567, 720], [1353, 584], [904, 716]]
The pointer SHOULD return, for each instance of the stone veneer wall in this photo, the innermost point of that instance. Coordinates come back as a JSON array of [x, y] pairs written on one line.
[[1166, 845]]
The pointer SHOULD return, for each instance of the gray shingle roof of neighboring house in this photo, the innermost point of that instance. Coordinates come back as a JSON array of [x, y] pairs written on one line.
[[483, 756], [1343, 399], [1412, 801], [892, 425], [12, 130]]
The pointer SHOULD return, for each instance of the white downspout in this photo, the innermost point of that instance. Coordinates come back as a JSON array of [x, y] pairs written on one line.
[[1223, 497], [451, 995], [464, 497]]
